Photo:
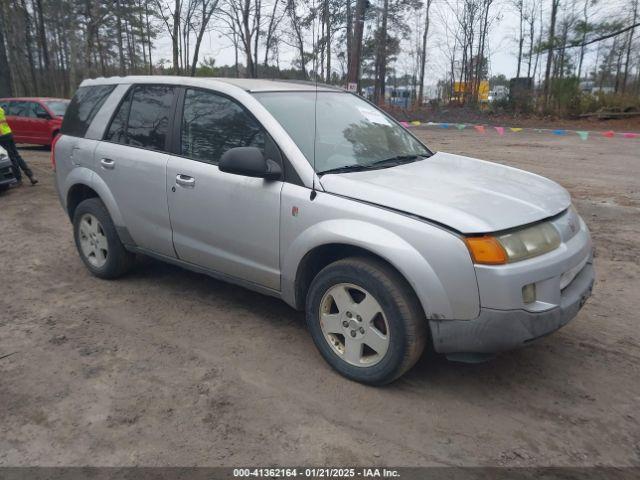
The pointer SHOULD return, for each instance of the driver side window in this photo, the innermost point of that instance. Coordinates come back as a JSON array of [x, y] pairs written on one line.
[[213, 124]]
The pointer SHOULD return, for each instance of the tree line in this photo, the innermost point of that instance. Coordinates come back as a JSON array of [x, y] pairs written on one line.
[[48, 46]]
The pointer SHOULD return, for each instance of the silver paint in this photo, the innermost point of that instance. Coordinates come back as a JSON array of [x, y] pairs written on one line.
[[414, 216]]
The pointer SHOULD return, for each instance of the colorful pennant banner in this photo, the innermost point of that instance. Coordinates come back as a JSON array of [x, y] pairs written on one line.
[[583, 134]]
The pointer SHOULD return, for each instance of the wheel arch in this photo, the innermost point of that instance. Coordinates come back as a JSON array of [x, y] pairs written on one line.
[[77, 194], [332, 240], [321, 256], [83, 183]]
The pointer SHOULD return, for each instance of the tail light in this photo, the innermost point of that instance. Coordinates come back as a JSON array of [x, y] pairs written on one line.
[[53, 151]]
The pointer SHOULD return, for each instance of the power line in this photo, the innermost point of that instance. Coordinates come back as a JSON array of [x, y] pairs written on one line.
[[595, 40]]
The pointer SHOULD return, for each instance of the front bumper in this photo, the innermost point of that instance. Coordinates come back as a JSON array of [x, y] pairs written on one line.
[[498, 330]]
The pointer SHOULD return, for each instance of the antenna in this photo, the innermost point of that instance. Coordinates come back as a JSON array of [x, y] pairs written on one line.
[[315, 102]]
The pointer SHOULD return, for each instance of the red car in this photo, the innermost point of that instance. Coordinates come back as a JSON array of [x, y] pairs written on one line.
[[34, 120]]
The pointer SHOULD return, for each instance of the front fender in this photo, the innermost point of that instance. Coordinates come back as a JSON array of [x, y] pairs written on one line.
[[379, 241]]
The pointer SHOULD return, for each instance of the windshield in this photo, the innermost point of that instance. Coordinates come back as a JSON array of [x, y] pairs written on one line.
[[351, 133], [58, 107]]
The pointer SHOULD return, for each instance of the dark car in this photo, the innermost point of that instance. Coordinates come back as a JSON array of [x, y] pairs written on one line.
[[34, 120], [6, 173]]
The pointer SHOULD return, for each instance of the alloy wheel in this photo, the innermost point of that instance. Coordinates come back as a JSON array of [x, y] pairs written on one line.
[[354, 324], [93, 240]]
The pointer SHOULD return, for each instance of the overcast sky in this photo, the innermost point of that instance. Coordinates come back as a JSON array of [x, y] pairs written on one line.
[[502, 47]]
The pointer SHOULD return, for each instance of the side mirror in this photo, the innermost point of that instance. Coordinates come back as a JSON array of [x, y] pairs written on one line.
[[250, 162], [43, 115]]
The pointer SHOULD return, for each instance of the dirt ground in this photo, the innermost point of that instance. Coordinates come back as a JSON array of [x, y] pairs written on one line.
[[168, 367]]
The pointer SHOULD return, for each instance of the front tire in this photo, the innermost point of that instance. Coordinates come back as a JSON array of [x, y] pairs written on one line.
[[98, 242], [366, 320]]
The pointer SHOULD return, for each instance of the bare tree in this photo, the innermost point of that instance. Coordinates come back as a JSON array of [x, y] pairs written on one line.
[[355, 59], [423, 52], [634, 18], [171, 19], [207, 8], [326, 22], [531, 19], [6, 88], [552, 32], [274, 21], [297, 24], [519, 4], [585, 29], [381, 56], [243, 19]]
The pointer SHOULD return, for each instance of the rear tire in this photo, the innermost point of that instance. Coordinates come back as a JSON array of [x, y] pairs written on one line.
[[98, 242], [385, 345]]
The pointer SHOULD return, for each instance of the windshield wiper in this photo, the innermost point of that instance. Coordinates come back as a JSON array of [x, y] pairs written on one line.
[[397, 160], [378, 165], [356, 167]]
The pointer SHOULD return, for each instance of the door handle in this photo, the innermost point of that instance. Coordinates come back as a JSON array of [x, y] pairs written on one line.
[[107, 163], [185, 181]]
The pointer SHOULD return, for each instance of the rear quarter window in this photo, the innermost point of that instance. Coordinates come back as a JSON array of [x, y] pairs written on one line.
[[83, 108]]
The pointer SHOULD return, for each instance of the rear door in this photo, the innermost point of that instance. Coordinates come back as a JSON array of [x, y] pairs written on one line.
[[132, 161], [224, 222]]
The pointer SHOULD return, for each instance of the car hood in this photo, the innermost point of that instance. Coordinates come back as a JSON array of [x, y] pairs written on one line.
[[466, 194]]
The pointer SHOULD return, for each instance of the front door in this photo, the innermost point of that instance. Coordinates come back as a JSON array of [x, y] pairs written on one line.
[[224, 222], [39, 119]]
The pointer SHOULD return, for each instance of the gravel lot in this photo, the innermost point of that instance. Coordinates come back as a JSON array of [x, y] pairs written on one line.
[[167, 367]]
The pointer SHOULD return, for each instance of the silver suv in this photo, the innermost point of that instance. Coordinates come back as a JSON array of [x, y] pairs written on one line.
[[315, 196]]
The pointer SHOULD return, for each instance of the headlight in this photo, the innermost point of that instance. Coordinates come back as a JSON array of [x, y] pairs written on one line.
[[530, 242], [513, 246]]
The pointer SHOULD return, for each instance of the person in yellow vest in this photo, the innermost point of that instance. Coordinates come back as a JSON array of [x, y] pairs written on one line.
[[6, 141]]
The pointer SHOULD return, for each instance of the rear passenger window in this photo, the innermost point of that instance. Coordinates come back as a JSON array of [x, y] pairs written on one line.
[[142, 120], [149, 116], [83, 108], [18, 109], [212, 124]]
